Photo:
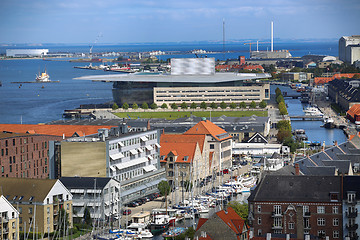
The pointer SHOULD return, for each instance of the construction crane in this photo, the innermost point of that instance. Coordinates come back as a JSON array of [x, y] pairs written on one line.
[[257, 44], [96, 40]]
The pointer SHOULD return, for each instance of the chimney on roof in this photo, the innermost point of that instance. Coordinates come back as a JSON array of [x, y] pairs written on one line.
[[297, 169], [323, 146], [335, 143], [63, 135]]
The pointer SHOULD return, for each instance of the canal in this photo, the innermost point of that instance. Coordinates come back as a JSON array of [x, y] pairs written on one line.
[[313, 129]]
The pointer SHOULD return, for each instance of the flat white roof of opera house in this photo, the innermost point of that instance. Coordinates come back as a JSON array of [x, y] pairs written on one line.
[[198, 78]]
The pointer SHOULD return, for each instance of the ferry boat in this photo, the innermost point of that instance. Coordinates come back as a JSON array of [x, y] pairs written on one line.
[[329, 122], [43, 77]]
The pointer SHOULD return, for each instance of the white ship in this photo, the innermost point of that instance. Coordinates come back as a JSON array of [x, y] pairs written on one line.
[[313, 111], [43, 77]]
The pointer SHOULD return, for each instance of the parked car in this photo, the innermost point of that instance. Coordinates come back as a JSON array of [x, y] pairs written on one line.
[[126, 212]]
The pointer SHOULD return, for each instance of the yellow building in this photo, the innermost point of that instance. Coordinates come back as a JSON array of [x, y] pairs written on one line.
[[39, 203], [9, 220]]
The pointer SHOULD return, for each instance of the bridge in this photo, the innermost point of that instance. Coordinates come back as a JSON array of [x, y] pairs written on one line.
[[306, 118]]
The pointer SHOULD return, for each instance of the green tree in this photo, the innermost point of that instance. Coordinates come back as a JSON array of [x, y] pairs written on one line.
[[283, 134], [135, 106], [174, 106], [164, 189], [283, 124], [263, 104], [145, 106], [203, 105], [153, 106], [184, 105], [115, 106], [223, 105], [282, 108], [280, 99], [193, 105], [164, 106], [253, 104], [242, 105], [125, 106], [213, 105], [232, 105], [277, 91], [87, 217], [240, 208]]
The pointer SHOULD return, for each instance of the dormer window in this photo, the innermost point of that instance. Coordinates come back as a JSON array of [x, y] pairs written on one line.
[[186, 158], [351, 197], [171, 159], [334, 197], [162, 157]]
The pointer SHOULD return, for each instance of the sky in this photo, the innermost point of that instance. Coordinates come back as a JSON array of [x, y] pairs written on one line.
[[139, 21]]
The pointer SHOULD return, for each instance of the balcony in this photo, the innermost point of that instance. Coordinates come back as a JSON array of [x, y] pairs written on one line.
[[308, 226], [277, 226], [307, 214], [352, 214], [351, 227], [276, 214]]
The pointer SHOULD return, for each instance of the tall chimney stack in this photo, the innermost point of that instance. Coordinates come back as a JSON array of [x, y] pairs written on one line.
[[297, 169], [272, 36]]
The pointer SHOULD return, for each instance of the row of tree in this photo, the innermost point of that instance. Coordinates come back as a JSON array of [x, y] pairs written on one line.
[[281, 102], [193, 105]]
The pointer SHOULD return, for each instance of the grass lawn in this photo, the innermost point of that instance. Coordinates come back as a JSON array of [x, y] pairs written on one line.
[[180, 114]]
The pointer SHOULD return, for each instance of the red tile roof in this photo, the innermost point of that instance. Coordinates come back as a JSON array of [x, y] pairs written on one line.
[[354, 110], [55, 130], [181, 138], [232, 219], [181, 150], [208, 128], [323, 80]]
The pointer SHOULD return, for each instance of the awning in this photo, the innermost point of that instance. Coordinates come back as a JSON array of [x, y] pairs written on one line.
[[120, 144], [116, 156], [157, 145], [133, 152], [140, 150], [149, 148], [150, 157], [149, 168], [130, 163], [143, 138]]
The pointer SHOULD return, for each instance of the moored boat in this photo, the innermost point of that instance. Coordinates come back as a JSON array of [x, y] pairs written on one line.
[[43, 77]]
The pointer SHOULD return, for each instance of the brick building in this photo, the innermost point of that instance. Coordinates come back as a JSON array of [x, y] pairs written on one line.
[[300, 205], [25, 155]]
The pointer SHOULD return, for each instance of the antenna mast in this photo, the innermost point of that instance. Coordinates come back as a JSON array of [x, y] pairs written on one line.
[[224, 38]]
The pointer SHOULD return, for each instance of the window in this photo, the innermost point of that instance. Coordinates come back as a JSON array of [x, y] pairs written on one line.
[[48, 208], [335, 222], [259, 208], [321, 233], [351, 197], [259, 220], [20, 210], [277, 209], [321, 221], [259, 232], [212, 146], [277, 222], [321, 209], [336, 234], [291, 225], [335, 210], [30, 210]]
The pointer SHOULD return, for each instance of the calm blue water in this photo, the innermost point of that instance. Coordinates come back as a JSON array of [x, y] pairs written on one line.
[[312, 128], [33, 104]]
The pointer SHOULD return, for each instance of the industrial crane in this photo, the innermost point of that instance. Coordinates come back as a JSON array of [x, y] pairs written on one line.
[[257, 44]]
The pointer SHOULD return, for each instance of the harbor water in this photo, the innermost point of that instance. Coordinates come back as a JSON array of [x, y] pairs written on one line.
[[313, 129]]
